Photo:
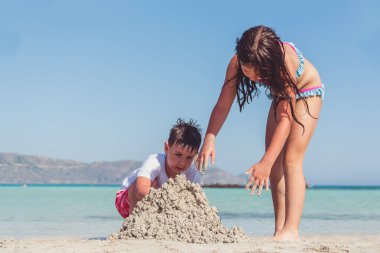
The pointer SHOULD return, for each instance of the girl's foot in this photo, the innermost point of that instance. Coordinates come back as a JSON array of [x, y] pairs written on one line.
[[286, 235], [276, 232]]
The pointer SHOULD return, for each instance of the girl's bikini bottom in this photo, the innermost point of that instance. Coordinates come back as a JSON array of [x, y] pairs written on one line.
[[316, 91]]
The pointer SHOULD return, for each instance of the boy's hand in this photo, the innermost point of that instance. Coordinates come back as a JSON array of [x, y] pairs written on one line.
[[259, 176], [154, 184], [208, 149]]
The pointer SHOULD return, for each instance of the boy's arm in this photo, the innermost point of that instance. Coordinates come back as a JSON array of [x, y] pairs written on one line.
[[142, 187], [146, 176], [138, 190], [145, 179]]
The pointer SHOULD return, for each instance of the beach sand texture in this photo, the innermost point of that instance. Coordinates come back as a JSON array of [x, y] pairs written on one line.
[[328, 243], [178, 211], [179, 203]]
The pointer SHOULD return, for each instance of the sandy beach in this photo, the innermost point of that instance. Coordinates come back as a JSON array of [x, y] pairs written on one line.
[[325, 243]]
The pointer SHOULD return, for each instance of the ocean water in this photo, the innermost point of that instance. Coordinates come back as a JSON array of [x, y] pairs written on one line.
[[89, 212]]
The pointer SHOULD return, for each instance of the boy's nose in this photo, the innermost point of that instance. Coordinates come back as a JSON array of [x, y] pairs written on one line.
[[182, 163]]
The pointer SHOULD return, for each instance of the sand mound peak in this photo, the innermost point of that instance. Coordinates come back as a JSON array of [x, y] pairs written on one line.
[[178, 211]]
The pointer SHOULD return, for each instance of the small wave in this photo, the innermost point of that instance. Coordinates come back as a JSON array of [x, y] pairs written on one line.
[[319, 216], [100, 217]]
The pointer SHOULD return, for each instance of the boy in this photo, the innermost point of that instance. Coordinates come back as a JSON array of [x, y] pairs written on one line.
[[180, 150]]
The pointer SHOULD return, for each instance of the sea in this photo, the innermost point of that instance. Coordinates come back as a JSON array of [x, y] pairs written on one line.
[[88, 211]]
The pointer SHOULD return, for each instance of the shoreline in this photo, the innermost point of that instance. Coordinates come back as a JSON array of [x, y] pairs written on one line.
[[315, 243], [312, 187]]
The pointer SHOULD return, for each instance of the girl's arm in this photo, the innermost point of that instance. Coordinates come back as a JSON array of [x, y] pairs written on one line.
[[219, 115], [284, 121], [261, 170], [283, 114]]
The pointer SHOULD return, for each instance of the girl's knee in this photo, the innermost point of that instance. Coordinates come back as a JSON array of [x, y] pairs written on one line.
[[293, 163]]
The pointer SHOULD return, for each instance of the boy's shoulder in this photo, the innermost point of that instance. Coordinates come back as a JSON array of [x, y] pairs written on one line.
[[157, 156], [155, 160], [151, 167]]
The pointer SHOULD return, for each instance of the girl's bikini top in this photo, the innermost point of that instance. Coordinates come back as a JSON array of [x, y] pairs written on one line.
[[300, 66], [300, 57]]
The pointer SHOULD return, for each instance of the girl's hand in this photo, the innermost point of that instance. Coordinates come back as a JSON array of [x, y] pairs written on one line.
[[208, 149], [259, 176]]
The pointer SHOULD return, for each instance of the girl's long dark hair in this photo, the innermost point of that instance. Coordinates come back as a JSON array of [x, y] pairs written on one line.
[[262, 49]]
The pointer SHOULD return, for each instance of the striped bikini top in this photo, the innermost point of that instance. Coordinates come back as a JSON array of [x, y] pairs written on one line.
[[300, 68], [300, 57]]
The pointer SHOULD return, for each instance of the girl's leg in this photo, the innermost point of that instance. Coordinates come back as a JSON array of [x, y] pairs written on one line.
[[277, 183], [294, 153], [276, 177]]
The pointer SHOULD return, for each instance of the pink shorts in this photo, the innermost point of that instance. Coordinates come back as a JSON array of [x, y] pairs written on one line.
[[122, 203]]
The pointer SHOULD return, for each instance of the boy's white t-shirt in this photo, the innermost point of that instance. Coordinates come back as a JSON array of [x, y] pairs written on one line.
[[154, 167]]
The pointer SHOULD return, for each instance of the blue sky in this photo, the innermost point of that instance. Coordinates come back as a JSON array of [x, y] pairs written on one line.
[[105, 80]]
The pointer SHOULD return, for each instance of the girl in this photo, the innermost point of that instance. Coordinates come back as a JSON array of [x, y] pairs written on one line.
[[295, 88]]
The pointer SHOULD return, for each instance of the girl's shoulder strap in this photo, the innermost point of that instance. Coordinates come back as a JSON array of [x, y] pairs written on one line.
[[300, 57]]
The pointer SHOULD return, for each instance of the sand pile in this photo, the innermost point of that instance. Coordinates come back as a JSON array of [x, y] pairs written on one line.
[[178, 211]]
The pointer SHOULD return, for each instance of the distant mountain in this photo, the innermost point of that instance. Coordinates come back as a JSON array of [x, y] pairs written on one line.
[[29, 169], [217, 177]]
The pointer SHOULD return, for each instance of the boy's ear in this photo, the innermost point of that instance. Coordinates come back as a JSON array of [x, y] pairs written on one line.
[[166, 147]]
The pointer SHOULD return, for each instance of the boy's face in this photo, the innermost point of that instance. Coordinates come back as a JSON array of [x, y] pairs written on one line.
[[178, 158]]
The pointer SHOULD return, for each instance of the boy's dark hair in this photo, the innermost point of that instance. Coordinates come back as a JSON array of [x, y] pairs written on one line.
[[186, 134]]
